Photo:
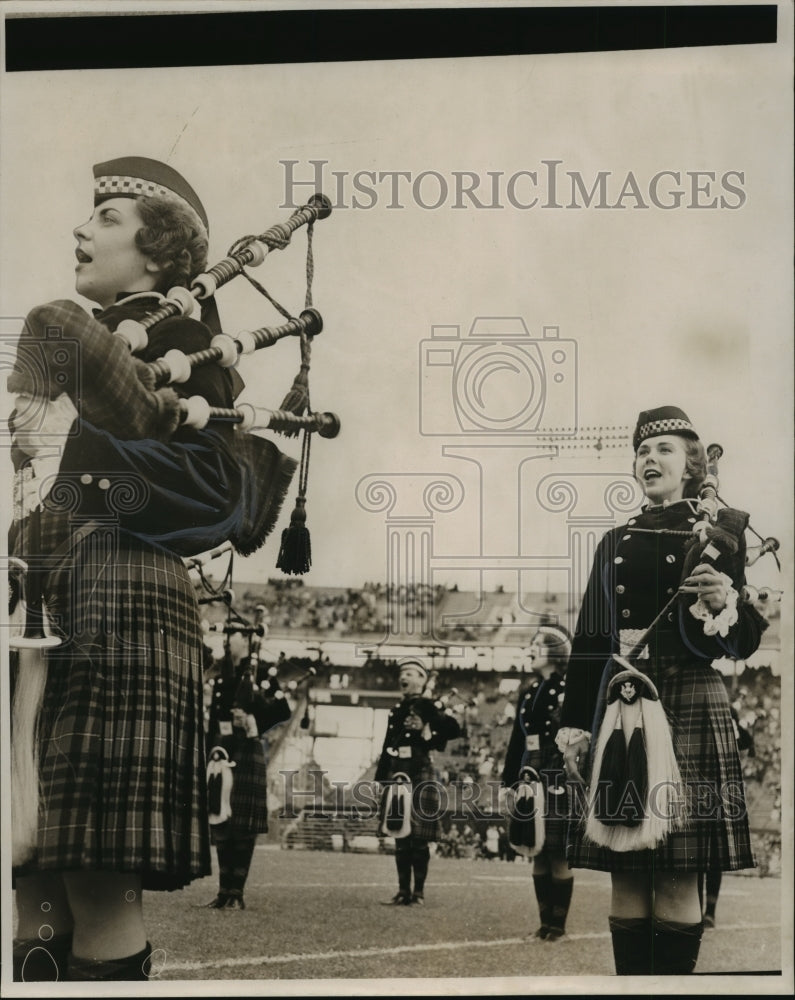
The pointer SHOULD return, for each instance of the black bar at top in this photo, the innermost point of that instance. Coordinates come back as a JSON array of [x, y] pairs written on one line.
[[129, 40]]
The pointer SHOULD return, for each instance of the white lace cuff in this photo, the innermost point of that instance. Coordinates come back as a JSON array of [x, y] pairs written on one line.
[[721, 623], [566, 736]]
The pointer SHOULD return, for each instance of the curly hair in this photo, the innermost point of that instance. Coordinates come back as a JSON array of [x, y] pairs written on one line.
[[695, 466], [173, 237]]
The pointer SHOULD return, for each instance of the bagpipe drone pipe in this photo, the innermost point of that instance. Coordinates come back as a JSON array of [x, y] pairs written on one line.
[[65, 353], [635, 793]]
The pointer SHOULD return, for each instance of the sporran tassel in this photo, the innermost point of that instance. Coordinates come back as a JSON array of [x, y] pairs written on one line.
[[635, 795], [526, 826]]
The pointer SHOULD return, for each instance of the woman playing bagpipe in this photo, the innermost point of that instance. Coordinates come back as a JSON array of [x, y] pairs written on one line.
[[108, 514], [646, 718], [532, 745], [410, 805], [241, 713]]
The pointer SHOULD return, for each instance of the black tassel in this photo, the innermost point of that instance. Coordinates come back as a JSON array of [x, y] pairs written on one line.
[[612, 780], [295, 554], [214, 783], [522, 822], [633, 809]]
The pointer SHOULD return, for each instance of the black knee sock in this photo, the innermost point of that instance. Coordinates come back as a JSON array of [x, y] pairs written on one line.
[[676, 947], [713, 883], [542, 891], [420, 858], [226, 862], [133, 968], [242, 851], [560, 891], [403, 864], [37, 961], [632, 945]]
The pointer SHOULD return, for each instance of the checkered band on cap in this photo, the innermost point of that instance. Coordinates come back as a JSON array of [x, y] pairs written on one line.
[[662, 420], [671, 426], [129, 185]]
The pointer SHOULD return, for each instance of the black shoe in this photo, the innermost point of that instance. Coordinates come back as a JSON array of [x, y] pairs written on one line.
[[555, 934], [219, 903], [234, 903], [540, 934], [709, 921], [418, 899], [399, 899]]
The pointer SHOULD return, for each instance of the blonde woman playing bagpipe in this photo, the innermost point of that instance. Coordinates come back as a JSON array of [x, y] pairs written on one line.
[[532, 746], [118, 752], [646, 719], [411, 802]]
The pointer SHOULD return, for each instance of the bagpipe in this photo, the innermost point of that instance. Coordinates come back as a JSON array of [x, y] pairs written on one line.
[[635, 796], [119, 393]]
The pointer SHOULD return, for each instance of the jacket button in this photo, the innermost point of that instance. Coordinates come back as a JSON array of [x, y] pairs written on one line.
[[670, 558], [620, 588], [618, 560], [86, 479], [625, 613]]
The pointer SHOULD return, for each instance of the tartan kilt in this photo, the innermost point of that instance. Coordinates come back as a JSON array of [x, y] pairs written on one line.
[[716, 835], [425, 802], [248, 799], [121, 736]]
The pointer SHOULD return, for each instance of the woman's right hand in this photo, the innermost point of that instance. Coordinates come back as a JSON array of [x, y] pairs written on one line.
[[575, 755], [41, 424]]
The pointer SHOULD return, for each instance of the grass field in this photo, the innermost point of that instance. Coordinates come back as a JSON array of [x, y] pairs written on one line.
[[314, 917]]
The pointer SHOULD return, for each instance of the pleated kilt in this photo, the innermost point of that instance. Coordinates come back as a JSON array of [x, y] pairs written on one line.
[[248, 799], [122, 763], [548, 762], [716, 834], [425, 800]]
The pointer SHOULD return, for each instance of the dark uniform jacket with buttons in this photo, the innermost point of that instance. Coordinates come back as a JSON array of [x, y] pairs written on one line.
[[532, 742], [636, 570], [406, 749]]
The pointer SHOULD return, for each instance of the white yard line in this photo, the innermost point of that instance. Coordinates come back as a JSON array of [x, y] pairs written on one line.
[[324, 956]]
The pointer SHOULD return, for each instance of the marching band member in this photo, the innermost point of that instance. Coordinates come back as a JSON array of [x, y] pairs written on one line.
[[123, 803], [417, 724], [241, 713], [532, 744], [631, 597]]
